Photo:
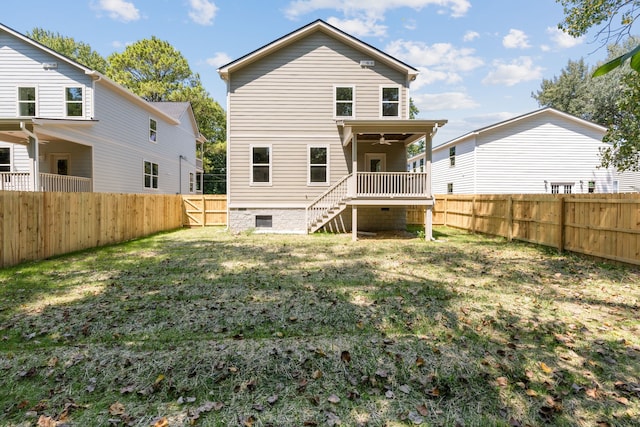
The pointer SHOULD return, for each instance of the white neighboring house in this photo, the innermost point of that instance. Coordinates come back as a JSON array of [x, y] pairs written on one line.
[[66, 127], [544, 151]]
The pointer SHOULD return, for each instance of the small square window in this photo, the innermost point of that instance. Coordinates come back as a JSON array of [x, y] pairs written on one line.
[[450, 188], [592, 187], [264, 221]]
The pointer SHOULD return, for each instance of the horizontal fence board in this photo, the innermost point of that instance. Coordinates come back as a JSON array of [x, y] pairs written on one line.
[[39, 225], [602, 225]]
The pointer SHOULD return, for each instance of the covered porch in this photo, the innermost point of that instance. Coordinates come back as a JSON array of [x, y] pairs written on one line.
[[378, 176], [38, 158]]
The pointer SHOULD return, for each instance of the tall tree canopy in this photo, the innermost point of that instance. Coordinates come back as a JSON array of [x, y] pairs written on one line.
[[151, 68], [67, 46], [614, 18]]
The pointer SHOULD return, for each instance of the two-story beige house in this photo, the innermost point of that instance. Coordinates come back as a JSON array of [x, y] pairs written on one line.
[[318, 125]]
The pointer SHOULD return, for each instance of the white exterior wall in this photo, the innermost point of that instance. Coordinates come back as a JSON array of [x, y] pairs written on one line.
[[461, 174], [518, 157], [112, 147], [629, 182]]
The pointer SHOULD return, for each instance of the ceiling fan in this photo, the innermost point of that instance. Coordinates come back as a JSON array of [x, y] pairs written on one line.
[[383, 141]]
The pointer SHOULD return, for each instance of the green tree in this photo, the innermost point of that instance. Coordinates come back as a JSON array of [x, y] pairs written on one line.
[[152, 69], [416, 147], [156, 71], [67, 46], [615, 19]]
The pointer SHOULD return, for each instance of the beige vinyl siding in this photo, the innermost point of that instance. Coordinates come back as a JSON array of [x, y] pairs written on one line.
[[287, 100], [22, 66]]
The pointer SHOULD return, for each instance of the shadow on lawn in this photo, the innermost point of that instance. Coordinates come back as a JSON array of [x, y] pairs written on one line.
[[241, 319]]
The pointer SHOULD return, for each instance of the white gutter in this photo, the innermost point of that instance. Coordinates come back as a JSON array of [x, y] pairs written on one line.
[[36, 155]]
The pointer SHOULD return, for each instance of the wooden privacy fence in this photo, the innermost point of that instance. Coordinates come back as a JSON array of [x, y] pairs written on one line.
[[36, 225], [205, 209], [601, 225]]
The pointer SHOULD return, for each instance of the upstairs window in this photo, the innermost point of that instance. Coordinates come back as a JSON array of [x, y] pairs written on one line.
[[153, 130], [318, 165], [73, 101], [150, 175], [344, 101], [390, 101], [452, 156], [27, 101], [261, 165]]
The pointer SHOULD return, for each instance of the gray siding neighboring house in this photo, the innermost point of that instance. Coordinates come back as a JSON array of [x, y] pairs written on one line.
[[65, 127], [317, 134], [544, 151]]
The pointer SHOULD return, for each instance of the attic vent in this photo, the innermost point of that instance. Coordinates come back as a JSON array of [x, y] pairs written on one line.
[[369, 63], [50, 65]]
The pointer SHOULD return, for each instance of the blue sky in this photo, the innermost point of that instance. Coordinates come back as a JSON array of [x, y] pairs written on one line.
[[480, 60]]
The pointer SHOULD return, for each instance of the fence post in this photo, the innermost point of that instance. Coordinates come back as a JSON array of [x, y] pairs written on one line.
[[473, 215], [561, 224], [509, 217]]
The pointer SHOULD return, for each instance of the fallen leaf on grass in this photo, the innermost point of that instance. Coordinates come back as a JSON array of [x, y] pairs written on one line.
[[415, 418], [162, 422], [545, 368], [45, 421], [345, 356], [622, 400], [502, 381], [531, 393], [333, 399], [422, 410], [419, 361], [117, 408], [271, 400]]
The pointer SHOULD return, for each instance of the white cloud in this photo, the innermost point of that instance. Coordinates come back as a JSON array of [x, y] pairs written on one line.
[[470, 36], [120, 10], [516, 39], [377, 8], [563, 40], [437, 62], [202, 11], [359, 27], [219, 59], [443, 101], [509, 74]]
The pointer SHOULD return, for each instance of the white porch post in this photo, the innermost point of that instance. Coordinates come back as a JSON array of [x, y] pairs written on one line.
[[354, 175], [428, 230], [33, 139]]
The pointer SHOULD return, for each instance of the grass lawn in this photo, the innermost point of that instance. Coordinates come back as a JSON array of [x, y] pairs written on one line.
[[202, 327]]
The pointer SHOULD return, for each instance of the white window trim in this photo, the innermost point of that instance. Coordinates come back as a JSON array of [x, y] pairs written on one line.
[[353, 102], [18, 87], [399, 87], [328, 180], [11, 162], [64, 98], [260, 184], [149, 131], [151, 175]]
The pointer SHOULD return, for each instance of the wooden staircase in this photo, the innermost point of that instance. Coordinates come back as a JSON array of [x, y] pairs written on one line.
[[328, 205]]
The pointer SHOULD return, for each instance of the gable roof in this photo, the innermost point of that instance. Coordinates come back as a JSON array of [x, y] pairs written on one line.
[[524, 117], [97, 76], [318, 25], [177, 110]]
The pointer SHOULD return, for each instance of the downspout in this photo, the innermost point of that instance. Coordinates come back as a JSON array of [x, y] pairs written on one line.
[[180, 173], [36, 155]]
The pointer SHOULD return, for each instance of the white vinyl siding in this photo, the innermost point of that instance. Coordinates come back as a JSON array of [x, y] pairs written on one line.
[[301, 77], [525, 156]]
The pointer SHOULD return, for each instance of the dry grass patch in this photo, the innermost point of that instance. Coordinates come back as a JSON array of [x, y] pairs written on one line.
[[202, 327]]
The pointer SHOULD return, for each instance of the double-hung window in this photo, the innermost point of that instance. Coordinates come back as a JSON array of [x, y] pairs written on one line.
[[73, 101], [318, 165], [5, 159], [150, 175], [450, 187], [390, 101], [344, 101], [153, 130], [452, 156], [27, 101], [261, 164]]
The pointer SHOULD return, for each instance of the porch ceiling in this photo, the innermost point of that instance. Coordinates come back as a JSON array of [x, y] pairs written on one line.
[[394, 131]]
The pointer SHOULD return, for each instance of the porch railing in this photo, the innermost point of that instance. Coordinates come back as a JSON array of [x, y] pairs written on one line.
[[391, 184], [23, 181], [15, 181], [329, 200]]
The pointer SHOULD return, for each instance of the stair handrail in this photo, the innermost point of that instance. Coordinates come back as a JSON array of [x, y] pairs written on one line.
[[328, 200]]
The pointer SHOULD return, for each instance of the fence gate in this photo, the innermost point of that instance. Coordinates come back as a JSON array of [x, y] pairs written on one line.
[[205, 209]]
